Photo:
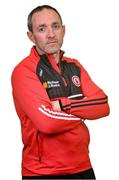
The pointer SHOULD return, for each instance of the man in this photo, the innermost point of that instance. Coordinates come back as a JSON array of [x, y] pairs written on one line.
[[53, 95]]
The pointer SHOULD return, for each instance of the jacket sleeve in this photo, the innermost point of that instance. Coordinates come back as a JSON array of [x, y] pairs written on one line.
[[94, 105], [31, 98]]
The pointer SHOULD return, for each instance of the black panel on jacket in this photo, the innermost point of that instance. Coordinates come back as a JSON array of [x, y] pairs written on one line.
[[59, 85]]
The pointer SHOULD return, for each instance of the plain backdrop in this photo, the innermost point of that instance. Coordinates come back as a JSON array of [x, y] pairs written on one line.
[[92, 37]]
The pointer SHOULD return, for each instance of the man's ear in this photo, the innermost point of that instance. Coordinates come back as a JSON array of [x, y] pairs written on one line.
[[31, 36]]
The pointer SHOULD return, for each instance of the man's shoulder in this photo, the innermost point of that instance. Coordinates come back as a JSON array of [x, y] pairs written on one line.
[[29, 63], [71, 60], [21, 64], [25, 68]]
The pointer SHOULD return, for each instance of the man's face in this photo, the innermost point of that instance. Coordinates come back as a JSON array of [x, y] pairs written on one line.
[[48, 32]]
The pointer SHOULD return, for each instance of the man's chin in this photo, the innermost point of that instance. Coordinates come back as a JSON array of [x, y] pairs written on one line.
[[52, 51]]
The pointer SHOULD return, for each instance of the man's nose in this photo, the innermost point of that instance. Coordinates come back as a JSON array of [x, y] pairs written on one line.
[[51, 32]]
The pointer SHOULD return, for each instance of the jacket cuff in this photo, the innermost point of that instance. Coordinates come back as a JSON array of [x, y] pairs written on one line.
[[65, 104]]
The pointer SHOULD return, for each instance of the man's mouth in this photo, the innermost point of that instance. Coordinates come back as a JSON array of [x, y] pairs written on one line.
[[52, 42]]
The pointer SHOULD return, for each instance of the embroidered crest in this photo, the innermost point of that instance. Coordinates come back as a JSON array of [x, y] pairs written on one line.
[[76, 80]]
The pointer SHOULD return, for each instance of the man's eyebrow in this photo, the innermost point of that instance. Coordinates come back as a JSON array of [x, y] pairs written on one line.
[[42, 25], [57, 22]]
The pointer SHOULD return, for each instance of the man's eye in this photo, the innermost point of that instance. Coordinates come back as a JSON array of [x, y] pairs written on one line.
[[42, 29], [56, 26]]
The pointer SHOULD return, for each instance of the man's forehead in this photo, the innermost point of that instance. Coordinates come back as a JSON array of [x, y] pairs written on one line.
[[46, 15]]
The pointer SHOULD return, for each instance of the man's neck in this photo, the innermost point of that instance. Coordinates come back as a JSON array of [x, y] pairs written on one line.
[[56, 57]]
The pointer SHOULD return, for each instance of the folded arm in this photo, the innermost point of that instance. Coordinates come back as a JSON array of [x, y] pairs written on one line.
[[32, 101], [94, 105]]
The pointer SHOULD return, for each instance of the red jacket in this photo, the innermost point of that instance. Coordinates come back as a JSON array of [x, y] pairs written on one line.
[[55, 143]]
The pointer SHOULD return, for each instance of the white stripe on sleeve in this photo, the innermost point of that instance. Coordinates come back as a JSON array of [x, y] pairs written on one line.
[[57, 115]]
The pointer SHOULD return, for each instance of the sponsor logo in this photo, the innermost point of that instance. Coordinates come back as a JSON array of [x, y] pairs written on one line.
[[76, 80], [50, 84]]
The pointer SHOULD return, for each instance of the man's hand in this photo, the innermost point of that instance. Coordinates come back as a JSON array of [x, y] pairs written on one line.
[[56, 105]]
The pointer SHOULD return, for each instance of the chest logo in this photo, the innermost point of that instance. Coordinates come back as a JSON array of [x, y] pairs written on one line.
[[76, 80]]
